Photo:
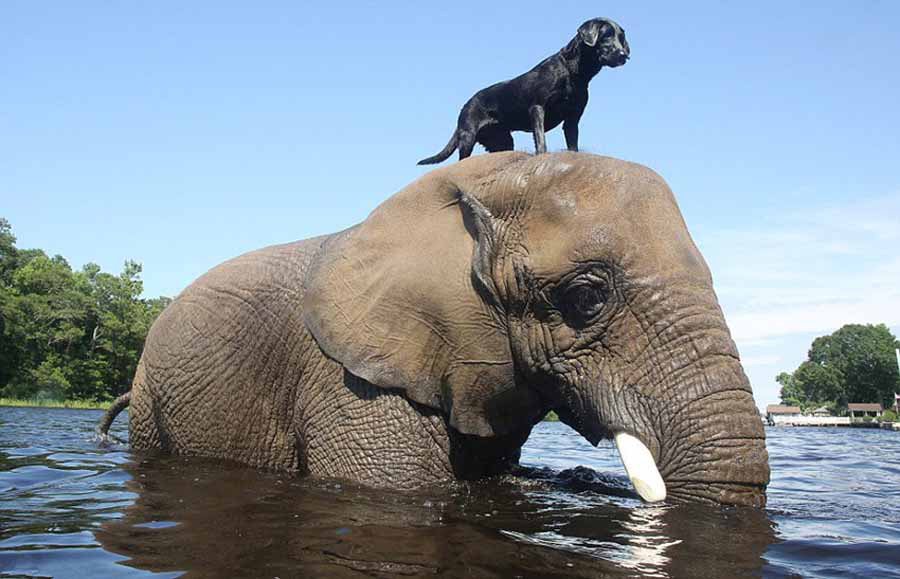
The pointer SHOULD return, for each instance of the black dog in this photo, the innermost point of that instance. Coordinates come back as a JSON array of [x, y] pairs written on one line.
[[553, 92]]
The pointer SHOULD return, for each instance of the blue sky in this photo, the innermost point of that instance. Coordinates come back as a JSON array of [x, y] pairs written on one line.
[[181, 134]]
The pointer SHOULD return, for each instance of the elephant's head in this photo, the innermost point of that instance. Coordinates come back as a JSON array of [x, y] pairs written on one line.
[[507, 285]]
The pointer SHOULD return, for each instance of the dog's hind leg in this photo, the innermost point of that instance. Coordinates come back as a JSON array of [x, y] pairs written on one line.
[[495, 139], [537, 127], [466, 142]]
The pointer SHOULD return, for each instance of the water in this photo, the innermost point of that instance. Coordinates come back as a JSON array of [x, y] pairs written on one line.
[[71, 509]]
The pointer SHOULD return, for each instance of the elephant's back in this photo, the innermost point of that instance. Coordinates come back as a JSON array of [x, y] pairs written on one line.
[[263, 287], [222, 362], [283, 265]]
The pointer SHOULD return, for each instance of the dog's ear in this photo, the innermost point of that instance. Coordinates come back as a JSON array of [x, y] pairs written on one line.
[[589, 32]]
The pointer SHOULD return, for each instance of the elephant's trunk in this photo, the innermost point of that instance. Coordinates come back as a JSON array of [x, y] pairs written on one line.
[[720, 454], [712, 441], [685, 422]]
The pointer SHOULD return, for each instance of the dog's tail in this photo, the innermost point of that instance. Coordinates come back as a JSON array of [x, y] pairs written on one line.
[[445, 152]]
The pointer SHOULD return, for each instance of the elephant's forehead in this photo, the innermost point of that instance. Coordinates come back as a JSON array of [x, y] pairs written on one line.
[[616, 214]]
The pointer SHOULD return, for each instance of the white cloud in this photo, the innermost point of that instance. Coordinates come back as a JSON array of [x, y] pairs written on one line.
[[814, 316], [787, 278], [809, 272], [753, 361]]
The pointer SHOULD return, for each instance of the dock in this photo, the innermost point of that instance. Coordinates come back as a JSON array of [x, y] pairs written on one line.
[[832, 421], [862, 415], [814, 421]]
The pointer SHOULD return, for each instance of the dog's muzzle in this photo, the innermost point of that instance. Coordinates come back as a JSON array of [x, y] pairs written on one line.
[[617, 58]]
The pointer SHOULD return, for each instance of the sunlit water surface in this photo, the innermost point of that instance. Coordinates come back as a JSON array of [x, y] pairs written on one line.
[[69, 508]]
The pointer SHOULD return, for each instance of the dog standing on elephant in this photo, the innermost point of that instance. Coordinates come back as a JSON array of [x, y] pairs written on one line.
[[553, 92]]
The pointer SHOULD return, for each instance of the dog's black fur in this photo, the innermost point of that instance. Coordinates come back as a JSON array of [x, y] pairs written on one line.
[[553, 92]]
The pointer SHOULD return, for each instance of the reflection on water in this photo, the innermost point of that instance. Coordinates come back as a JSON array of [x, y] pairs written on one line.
[[69, 508], [233, 520], [648, 541], [643, 547]]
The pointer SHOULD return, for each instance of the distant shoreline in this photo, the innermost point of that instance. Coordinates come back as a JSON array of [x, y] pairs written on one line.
[[93, 405], [43, 403]]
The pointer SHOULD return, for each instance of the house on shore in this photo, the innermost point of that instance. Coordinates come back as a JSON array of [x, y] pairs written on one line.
[[859, 414], [780, 414], [861, 410]]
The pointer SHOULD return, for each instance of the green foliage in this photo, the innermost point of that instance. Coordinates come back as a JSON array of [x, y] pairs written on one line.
[[8, 252], [889, 416], [68, 334], [44, 403], [791, 393], [49, 380], [854, 364]]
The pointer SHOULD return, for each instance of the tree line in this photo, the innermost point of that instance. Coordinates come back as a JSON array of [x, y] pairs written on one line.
[[856, 363], [68, 334]]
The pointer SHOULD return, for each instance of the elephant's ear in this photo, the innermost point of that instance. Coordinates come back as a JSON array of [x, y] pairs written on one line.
[[405, 300]]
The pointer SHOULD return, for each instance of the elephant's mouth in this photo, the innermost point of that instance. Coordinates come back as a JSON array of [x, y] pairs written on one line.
[[637, 458]]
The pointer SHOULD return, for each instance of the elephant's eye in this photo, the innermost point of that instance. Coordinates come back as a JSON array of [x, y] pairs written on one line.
[[583, 302]]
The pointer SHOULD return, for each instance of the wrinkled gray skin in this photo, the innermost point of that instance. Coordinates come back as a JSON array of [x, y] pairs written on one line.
[[423, 344]]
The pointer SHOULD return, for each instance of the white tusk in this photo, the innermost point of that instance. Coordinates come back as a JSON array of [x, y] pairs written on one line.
[[641, 468]]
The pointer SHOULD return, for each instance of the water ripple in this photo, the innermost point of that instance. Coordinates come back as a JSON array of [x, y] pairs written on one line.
[[69, 508]]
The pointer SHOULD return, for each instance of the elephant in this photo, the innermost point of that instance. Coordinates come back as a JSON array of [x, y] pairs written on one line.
[[422, 345]]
